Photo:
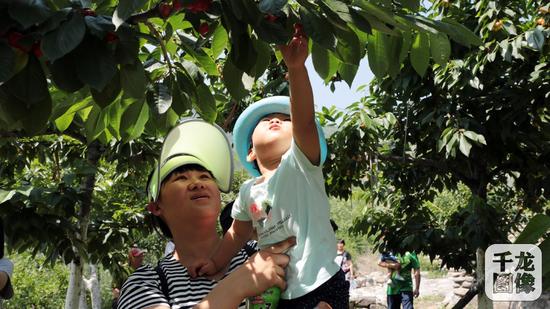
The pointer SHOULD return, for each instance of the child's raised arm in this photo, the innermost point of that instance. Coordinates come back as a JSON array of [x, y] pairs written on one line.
[[302, 111]]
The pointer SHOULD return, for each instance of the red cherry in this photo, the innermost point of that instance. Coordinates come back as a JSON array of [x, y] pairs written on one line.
[[271, 18], [199, 6], [203, 29], [13, 40], [111, 37], [165, 9], [176, 5], [36, 50], [88, 12]]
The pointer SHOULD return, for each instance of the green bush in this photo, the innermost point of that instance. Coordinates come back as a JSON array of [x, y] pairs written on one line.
[[37, 285]]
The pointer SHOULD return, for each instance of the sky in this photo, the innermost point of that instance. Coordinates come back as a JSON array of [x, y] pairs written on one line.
[[343, 95]]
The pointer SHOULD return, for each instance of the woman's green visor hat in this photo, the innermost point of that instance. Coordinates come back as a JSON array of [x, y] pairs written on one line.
[[194, 141]]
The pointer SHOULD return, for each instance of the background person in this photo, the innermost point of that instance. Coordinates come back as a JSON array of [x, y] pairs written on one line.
[[6, 270], [402, 292], [343, 259]]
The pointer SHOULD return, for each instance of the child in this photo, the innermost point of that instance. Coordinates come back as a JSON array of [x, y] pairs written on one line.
[[287, 196], [392, 274]]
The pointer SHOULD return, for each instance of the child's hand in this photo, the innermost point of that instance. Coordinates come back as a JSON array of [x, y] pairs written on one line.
[[202, 267], [296, 52]]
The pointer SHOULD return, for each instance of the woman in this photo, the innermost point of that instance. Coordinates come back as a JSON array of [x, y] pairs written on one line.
[[184, 191]]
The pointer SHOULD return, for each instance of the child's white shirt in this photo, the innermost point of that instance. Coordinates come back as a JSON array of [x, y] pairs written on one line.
[[293, 202]]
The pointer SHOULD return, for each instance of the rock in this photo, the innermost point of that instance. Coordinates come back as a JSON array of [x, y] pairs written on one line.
[[458, 279], [456, 285], [460, 292]]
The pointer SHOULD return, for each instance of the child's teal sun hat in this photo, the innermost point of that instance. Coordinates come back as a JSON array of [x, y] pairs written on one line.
[[249, 118], [194, 141]]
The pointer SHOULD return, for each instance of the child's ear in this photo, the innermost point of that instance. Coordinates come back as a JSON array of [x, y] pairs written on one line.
[[251, 157], [153, 207]]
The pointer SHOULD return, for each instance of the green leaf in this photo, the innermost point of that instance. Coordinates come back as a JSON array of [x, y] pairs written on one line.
[[127, 47], [63, 73], [98, 25], [206, 105], [464, 146], [7, 62], [393, 46], [180, 101], [95, 123], [381, 13], [348, 72], [476, 138], [29, 85], [109, 93], [324, 62], [134, 118], [132, 78], [440, 48], [96, 63], [360, 22], [535, 39], [63, 121], [65, 38], [116, 110], [264, 58], [420, 53], [377, 54], [405, 45], [272, 32], [460, 33], [271, 6], [233, 80], [348, 48], [339, 8], [318, 29], [205, 61], [29, 12], [6, 195], [412, 5], [163, 97], [125, 9], [535, 229], [219, 42]]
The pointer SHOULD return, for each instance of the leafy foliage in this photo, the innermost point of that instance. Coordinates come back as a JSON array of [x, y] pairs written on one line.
[[479, 119], [146, 63]]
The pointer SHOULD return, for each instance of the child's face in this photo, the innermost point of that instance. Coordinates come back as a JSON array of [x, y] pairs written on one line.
[[273, 133]]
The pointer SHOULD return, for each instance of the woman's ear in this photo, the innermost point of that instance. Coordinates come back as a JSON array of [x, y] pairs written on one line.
[[153, 207]]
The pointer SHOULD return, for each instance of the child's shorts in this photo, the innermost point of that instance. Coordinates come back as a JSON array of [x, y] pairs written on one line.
[[335, 292]]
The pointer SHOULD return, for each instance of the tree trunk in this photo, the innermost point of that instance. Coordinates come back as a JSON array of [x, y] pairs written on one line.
[[75, 281], [82, 299], [93, 153], [95, 291], [483, 302]]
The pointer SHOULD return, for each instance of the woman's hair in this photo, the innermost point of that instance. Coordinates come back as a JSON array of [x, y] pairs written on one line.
[[182, 169], [341, 241]]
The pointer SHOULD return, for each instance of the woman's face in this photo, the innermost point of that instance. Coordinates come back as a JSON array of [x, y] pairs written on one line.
[[189, 196]]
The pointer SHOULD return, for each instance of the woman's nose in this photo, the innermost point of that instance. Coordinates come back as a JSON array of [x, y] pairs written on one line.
[[196, 184]]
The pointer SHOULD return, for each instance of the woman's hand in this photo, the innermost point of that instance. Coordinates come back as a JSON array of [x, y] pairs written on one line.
[[262, 271], [265, 269]]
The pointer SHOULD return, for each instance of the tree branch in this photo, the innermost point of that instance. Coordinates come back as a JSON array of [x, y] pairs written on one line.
[[230, 117], [473, 291]]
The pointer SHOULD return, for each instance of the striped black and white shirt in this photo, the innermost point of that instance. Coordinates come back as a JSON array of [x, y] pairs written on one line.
[[143, 288]]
